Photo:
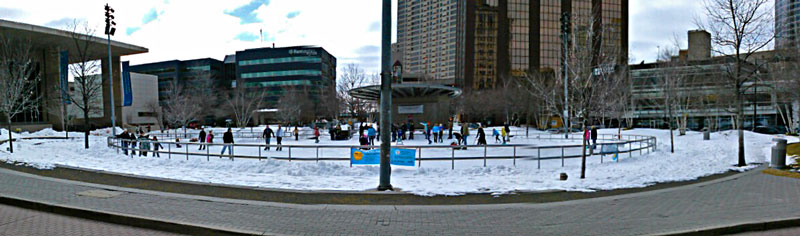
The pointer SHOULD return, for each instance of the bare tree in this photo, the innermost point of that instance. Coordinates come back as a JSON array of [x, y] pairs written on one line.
[[739, 28], [181, 106], [88, 84], [352, 77], [244, 102], [154, 108], [669, 82], [593, 73], [57, 105], [19, 77], [292, 105]]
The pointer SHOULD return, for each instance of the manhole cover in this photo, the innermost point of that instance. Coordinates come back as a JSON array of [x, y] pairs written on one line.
[[99, 193]]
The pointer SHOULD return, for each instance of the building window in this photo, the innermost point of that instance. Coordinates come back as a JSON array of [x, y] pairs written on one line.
[[279, 60], [281, 73]]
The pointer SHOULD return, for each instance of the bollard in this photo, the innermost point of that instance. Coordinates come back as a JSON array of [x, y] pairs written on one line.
[[706, 134], [778, 154]]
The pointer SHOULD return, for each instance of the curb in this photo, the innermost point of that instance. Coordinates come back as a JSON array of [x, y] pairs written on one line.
[[122, 219], [325, 197], [741, 228]]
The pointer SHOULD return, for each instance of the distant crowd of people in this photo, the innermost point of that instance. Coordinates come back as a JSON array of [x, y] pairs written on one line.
[[142, 142]]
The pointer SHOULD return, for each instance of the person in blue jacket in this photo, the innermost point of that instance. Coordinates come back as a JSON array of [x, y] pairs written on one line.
[[371, 133]]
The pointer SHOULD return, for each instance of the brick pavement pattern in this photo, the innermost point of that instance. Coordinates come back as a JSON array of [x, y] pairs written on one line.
[[742, 198], [19, 221]]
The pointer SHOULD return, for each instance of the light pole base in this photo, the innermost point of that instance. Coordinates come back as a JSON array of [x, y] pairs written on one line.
[[384, 188]]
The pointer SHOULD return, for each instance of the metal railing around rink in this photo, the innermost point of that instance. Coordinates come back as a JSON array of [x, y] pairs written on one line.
[[623, 144]]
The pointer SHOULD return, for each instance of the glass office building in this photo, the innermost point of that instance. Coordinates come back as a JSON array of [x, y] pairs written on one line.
[[305, 68]]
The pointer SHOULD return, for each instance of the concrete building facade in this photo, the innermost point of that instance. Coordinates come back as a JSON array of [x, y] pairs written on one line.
[[144, 109], [47, 43]]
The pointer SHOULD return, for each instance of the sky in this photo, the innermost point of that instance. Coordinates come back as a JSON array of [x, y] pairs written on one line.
[[348, 29]]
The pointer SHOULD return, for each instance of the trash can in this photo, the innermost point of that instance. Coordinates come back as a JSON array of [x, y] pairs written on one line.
[[706, 134], [778, 154]]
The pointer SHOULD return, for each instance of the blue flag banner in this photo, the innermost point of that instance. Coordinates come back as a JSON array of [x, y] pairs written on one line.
[[63, 72], [127, 91], [400, 157], [365, 157], [403, 157]]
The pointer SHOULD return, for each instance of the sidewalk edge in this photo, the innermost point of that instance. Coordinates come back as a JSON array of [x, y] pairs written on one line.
[[121, 218]]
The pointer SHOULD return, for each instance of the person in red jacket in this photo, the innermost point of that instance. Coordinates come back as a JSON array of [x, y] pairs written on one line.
[[316, 134]]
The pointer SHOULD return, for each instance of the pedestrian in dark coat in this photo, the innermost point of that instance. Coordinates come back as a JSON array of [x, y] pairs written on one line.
[[594, 136], [156, 146], [481, 136], [267, 135], [202, 139], [227, 138], [132, 138]]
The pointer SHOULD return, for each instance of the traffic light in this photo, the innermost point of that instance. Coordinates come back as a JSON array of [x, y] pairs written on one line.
[[110, 24]]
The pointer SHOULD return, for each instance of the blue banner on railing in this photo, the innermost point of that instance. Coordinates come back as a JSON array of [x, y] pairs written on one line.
[[127, 91], [365, 157], [400, 157], [403, 157], [63, 71]]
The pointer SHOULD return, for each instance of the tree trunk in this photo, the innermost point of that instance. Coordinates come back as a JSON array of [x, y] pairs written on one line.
[[671, 135], [10, 139], [739, 113], [86, 129], [583, 156]]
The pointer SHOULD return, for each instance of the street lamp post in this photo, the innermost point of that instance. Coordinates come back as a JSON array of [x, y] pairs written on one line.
[[110, 29], [565, 36], [386, 97]]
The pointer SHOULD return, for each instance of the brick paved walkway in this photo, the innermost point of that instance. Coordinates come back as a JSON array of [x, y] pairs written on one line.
[[748, 197], [19, 221]]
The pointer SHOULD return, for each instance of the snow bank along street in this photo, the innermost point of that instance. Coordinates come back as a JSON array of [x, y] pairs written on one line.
[[693, 158]]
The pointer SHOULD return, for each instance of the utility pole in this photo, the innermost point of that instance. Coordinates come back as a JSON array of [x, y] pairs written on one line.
[[110, 29], [386, 97], [565, 45]]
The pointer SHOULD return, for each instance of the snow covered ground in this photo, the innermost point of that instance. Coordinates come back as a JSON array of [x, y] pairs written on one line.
[[693, 158]]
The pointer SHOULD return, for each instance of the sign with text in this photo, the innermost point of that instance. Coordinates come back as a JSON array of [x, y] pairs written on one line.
[[403, 157], [415, 109]]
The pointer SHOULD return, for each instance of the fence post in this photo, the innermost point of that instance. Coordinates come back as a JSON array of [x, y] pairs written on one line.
[[290, 152], [259, 153], [515, 156], [187, 151], [640, 147], [317, 154], [169, 148], [419, 149], [484, 155], [562, 156], [207, 154], [538, 158], [452, 158]]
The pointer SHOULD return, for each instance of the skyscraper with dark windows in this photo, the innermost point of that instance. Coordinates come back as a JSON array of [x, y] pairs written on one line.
[[787, 23], [186, 72], [476, 43]]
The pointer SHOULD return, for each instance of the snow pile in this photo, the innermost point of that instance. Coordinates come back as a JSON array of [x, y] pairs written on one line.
[[693, 158]]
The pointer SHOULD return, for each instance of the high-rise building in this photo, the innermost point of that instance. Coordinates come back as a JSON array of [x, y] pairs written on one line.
[[787, 23], [427, 32], [452, 40]]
